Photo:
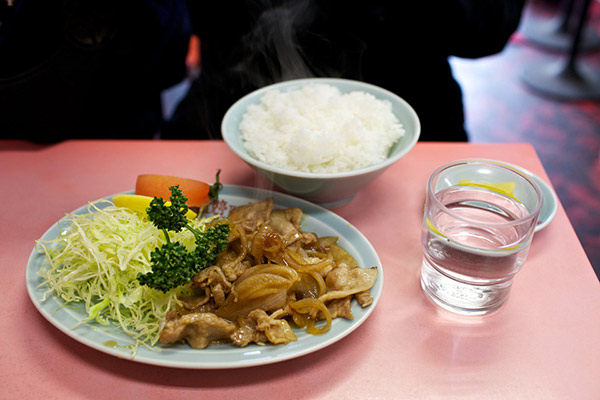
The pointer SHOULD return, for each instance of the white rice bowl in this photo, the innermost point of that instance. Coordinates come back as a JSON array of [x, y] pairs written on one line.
[[306, 142], [319, 129]]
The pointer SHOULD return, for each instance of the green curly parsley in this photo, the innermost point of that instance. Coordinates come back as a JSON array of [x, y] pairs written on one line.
[[172, 264]]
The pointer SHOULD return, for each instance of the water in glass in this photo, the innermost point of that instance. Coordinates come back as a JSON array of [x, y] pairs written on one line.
[[472, 248]]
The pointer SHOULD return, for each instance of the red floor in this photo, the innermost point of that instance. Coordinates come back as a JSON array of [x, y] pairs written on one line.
[[500, 107]]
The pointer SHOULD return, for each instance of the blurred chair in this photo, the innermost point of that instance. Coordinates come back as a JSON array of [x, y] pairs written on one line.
[[570, 78], [556, 32]]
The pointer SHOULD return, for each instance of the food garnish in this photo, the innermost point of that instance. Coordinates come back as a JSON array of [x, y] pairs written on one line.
[[197, 192], [95, 260], [172, 264], [140, 203]]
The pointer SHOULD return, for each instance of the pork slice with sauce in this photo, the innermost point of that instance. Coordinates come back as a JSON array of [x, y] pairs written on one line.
[[259, 327], [287, 224], [214, 279], [345, 281], [197, 329], [253, 215]]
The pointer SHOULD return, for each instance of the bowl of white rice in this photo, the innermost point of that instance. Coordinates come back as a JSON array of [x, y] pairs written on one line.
[[321, 139]]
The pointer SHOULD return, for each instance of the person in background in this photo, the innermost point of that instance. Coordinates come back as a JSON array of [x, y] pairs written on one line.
[[88, 68], [402, 46]]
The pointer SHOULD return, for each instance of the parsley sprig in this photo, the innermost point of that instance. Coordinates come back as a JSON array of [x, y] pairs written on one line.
[[172, 264]]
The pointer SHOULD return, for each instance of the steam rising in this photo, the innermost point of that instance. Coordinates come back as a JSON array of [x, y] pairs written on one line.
[[273, 51]]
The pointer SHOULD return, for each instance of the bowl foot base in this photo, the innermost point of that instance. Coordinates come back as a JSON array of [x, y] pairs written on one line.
[[335, 204]]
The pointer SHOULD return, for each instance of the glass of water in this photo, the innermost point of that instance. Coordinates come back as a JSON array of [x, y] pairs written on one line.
[[478, 223]]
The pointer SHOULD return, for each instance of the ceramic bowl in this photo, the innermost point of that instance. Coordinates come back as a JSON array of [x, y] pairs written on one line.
[[327, 189]]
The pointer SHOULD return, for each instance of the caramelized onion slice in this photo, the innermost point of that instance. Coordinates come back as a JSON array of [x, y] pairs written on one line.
[[261, 287], [308, 310], [299, 263], [309, 284], [276, 269], [341, 256], [232, 310], [265, 240], [327, 241]]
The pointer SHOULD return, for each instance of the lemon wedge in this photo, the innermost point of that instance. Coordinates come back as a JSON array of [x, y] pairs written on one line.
[[506, 188], [140, 203]]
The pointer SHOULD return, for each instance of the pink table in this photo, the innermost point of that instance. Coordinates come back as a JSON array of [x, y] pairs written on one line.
[[544, 344]]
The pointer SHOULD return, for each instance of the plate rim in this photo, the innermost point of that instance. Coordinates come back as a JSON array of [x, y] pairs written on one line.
[[310, 210], [546, 190]]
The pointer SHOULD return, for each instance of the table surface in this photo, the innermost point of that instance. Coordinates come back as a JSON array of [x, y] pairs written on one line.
[[543, 344]]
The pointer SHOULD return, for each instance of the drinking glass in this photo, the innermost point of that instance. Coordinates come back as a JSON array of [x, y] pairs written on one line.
[[478, 223]]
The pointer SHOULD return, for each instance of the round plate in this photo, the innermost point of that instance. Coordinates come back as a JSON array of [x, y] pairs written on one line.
[[550, 204], [548, 211], [112, 340]]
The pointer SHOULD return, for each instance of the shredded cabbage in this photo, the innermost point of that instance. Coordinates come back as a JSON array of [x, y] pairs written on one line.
[[95, 261]]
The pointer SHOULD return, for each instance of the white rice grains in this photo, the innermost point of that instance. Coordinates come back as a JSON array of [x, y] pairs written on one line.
[[318, 129]]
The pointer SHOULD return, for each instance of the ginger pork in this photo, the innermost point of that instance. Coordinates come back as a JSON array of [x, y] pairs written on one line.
[[271, 277]]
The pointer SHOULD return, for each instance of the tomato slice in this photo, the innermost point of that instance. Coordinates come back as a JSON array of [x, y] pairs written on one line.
[[197, 192]]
